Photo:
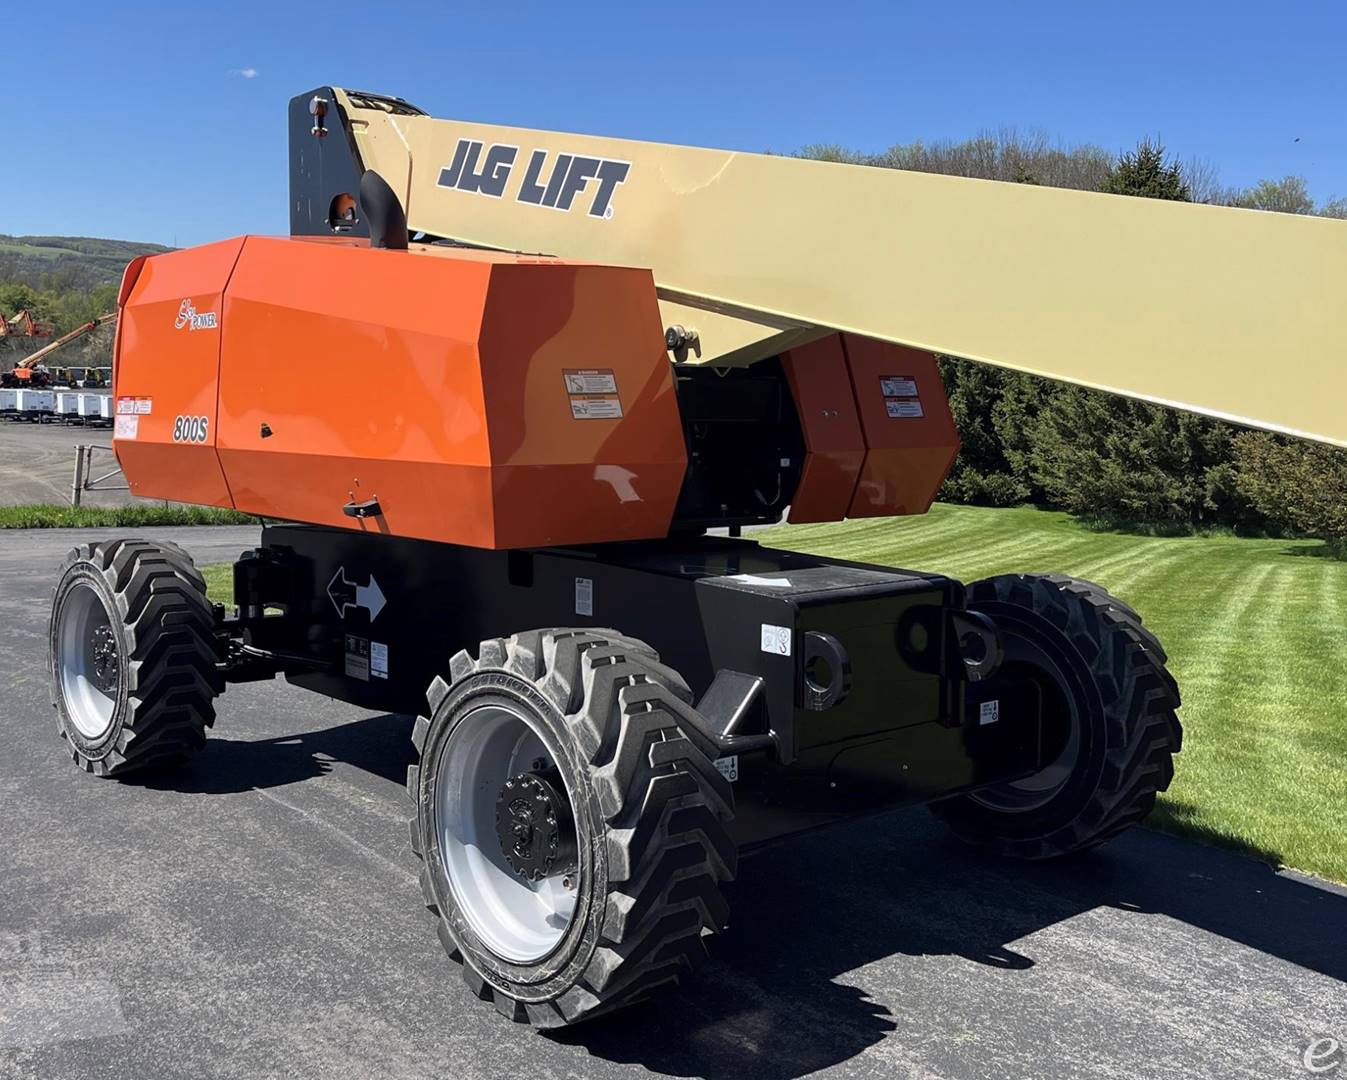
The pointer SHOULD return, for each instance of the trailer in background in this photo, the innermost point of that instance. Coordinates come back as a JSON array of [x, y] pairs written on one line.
[[35, 404], [95, 408]]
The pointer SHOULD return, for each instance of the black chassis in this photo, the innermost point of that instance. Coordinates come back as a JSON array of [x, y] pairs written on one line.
[[826, 687]]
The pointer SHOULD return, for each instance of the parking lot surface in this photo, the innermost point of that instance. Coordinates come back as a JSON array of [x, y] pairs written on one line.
[[37, 462]]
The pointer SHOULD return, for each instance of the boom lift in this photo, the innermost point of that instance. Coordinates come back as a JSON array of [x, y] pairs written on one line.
[[593, 352], [31, 370], [22, 324]]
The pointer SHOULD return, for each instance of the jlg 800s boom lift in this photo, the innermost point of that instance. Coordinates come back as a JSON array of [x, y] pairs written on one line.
[[593, 352]]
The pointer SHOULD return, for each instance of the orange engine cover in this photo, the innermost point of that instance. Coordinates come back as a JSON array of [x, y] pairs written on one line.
[[879, 436], [910, 437], [479, 398]]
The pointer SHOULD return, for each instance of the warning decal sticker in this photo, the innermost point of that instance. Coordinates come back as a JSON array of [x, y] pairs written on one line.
[[584, 596], [902, 400], [357, 658], [596, 408], [776, 639], [378, 659], [728, 767], [593, 394], [898, 386], [126, 427], [899, 408], [591, 381], [135, 406]]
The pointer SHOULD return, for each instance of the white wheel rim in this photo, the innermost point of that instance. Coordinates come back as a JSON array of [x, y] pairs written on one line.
[[90, 670], [520, 921]]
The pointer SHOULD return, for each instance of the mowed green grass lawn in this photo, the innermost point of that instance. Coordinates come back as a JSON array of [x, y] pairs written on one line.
[[1256, 632]]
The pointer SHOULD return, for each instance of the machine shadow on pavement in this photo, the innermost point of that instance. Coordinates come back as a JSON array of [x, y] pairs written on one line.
[[381, 745], [774, 1001]]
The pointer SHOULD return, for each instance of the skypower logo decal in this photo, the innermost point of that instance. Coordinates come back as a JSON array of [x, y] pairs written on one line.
[[188, 317], [558, 182]]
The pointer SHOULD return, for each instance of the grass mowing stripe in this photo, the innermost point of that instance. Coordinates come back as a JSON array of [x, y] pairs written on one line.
[[1211, 666], [1302, 791], [1127, 578], [1026, 549], [902, 544], [1161, 576], [1256, 631], [1331, 586], [945, 543], [1108, 569]]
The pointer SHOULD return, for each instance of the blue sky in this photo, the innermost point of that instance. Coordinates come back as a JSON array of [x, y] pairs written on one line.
[[167, 122]]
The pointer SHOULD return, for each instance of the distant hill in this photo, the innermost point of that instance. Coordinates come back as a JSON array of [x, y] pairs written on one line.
[[70, 262]]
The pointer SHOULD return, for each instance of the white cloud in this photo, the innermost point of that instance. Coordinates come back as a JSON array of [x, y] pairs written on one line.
[[246, 73]]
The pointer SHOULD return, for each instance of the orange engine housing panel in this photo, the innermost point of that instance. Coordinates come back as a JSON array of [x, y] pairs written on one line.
[[480, 398], [879, 435], [166, 366], [834, 443], [910, 437]]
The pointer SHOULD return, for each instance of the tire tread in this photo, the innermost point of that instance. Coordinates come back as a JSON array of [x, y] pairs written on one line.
[[171, 667], [1141, 726], [665, 805]]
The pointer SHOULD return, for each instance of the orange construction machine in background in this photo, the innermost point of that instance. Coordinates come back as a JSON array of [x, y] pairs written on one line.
[[32, 371], [23, 324]]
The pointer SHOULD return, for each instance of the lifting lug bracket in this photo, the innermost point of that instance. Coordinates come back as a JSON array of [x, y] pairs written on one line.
[[368, 509]]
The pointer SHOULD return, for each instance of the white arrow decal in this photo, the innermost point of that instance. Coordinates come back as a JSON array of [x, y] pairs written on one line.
[[345, 593], [370, 597]]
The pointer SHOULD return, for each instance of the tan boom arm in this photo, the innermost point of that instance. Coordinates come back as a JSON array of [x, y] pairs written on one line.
[[1238, 314], [65, 339]]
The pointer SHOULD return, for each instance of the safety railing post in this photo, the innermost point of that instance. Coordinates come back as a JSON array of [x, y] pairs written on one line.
[[77, 482]]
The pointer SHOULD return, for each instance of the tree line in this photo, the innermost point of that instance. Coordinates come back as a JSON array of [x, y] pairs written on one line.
[[1105, 458], [56, 302], [64, 280]]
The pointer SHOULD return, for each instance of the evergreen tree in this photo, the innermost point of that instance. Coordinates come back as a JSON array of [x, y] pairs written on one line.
[[1146, 173], [1296, 483], [981, 475], [1103, 456]]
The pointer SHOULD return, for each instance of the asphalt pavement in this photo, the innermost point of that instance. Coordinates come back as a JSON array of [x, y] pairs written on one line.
[[257, 915], [37, 463]]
